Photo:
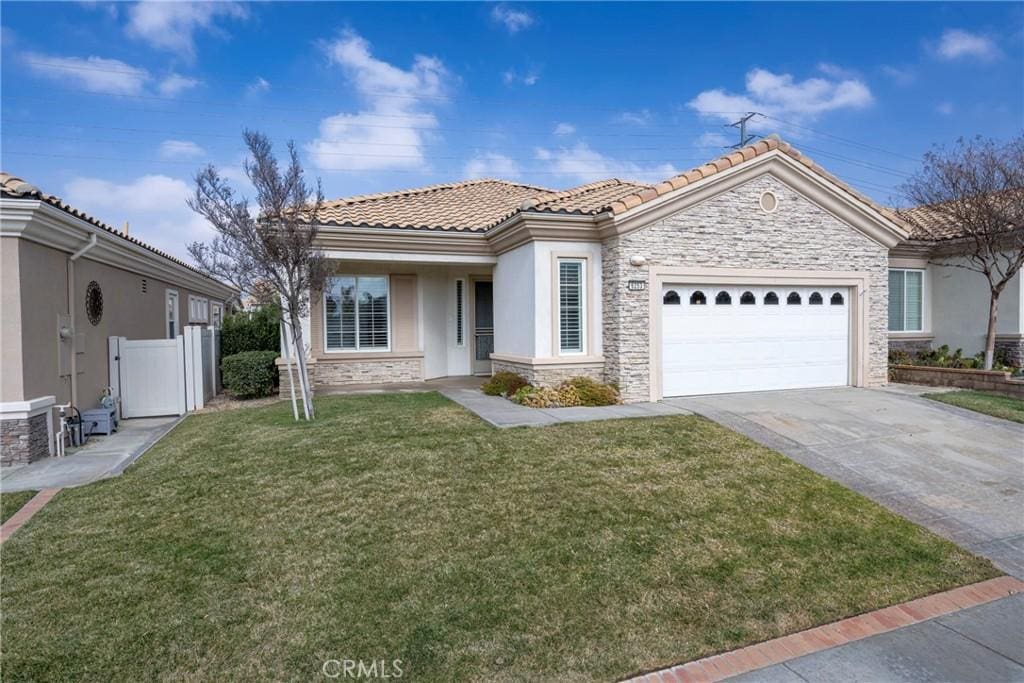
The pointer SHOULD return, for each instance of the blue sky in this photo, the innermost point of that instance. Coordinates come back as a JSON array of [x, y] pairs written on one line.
[[115, 105]]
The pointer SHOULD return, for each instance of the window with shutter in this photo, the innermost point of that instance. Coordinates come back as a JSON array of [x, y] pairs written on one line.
[[571, 311]]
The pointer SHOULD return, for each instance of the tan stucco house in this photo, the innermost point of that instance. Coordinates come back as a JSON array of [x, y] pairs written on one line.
[[758, 270], [68, 282]]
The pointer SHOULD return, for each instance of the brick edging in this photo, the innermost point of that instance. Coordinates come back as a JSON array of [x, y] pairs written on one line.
[[721, 666], [18, 519]]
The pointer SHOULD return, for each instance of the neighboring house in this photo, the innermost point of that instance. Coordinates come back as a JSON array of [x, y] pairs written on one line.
[[756, 271], [67, 283], [933, 302]]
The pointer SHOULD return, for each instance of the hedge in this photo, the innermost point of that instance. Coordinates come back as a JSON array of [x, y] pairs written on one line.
[[255, 331], [250, 374]]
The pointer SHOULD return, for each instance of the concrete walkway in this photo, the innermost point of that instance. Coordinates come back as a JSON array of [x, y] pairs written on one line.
[[956, 472], [102, 457], [981, 643], [503, 413]]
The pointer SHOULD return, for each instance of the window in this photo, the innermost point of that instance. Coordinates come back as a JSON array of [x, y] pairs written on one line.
[[905, 297], [571, 305], [356, 313], [671, 298], [216, 315], [793, 299], [815, 299], [723, 299], [198, 309], [747, 299], [771, 299], [460, 312], [837, 299], [698, 298], [172, 314]]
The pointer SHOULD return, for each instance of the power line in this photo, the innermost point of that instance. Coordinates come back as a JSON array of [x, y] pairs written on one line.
[[842, 139]]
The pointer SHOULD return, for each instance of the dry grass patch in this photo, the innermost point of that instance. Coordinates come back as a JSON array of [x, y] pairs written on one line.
[[402, 527]]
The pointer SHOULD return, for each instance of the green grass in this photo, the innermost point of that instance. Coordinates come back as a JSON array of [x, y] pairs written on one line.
[[12, 502], [401, 527], [995, 405]]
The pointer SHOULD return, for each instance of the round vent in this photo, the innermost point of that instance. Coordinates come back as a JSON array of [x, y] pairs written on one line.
[[769, 202], [94, 302]]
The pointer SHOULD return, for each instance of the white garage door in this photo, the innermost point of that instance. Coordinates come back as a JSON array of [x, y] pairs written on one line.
[[721, 339]]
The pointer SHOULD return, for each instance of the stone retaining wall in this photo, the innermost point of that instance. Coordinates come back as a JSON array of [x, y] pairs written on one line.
[[978, 380]]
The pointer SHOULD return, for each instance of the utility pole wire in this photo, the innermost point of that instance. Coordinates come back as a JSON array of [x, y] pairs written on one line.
[[742, 125]]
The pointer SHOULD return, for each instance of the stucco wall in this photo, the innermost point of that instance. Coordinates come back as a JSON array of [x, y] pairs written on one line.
[[959, 303], [127, 312], [731, 231], [11, 375], [514, 302]]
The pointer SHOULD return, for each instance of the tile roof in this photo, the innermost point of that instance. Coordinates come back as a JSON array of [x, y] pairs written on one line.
[[927, 223], [472, 205], [16, 188], [478, 205]]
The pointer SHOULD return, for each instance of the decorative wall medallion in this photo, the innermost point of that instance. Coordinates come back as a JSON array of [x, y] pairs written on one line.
[[94, 302], [769, 202]]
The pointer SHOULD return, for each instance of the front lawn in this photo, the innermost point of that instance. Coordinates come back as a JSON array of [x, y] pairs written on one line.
[[12, 502], [402, 527], [995, 405]]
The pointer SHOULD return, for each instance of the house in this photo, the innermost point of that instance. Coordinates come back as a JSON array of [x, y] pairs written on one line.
[[55, 352], [756, 271], [933, 301]]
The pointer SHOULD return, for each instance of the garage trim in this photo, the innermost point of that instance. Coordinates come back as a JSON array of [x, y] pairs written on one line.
[[658, 276]]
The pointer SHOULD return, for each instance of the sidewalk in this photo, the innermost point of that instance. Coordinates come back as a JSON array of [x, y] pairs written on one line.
[[100, 458]]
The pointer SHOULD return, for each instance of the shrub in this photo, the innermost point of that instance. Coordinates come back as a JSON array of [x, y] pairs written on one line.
[[251, 331], [250, 374], [503, 383], [568, 397], [592, 393], [537, 397]]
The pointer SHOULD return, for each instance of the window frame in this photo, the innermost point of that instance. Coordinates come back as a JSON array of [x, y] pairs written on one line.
[[168, 294], [323, 313], [216, 315], [198, 309], [904, 328], [584, 323]]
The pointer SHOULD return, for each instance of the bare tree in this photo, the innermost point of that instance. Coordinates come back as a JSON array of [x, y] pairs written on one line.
[[973, 197], [277, 245]]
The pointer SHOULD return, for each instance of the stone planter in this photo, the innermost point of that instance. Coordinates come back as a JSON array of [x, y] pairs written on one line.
[[961, 378]]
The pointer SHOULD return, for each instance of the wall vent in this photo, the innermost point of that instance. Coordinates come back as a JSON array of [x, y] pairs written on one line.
[[145, 285]]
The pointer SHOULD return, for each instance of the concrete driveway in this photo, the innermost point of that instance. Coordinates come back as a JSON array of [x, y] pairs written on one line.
[[956, 472]]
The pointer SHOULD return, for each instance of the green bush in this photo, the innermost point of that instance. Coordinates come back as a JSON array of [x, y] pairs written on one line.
[[251, 331], [250, 374], [590, 392], [503, 383]]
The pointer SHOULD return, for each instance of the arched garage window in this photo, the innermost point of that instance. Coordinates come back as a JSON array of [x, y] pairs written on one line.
[[723, 298], [837, 299], [747, 299], [698, 298], [793, 299], [771, 299], [815, 299], [671, 298]]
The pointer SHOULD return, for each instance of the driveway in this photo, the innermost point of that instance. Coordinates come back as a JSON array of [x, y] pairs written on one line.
[[958, 473]]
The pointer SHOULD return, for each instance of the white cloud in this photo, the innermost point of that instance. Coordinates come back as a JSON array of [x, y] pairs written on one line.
[[945, 108], [898, 75], [491, 165], [957, 43], [511, 77], [110, 76], [180, 149], [153, 205], [782, 96], [635, 118], [582, 164], [564, 129], [172, 25], [257, 87], [175, 84], [836, 71], [394, 128], [514, 20], [713, 140]]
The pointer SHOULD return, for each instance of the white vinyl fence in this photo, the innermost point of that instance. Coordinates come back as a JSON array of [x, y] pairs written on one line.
[[154, 377]]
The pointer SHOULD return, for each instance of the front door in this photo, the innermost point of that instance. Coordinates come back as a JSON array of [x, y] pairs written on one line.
[[483, 326]]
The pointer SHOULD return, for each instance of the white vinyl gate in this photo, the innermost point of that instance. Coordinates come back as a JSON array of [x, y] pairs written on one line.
[[156, 377]]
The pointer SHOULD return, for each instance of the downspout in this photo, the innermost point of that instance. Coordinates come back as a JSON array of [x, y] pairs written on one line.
[[71, 314]]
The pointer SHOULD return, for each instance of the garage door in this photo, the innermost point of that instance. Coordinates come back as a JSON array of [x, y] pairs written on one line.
[[722, 339]]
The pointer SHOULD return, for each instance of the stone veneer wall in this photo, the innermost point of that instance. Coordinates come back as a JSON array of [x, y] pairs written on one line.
[[1013, 350], [731, 231], [24, 440], [910, 346], [962, 378], [331, 373], [542, 376]]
